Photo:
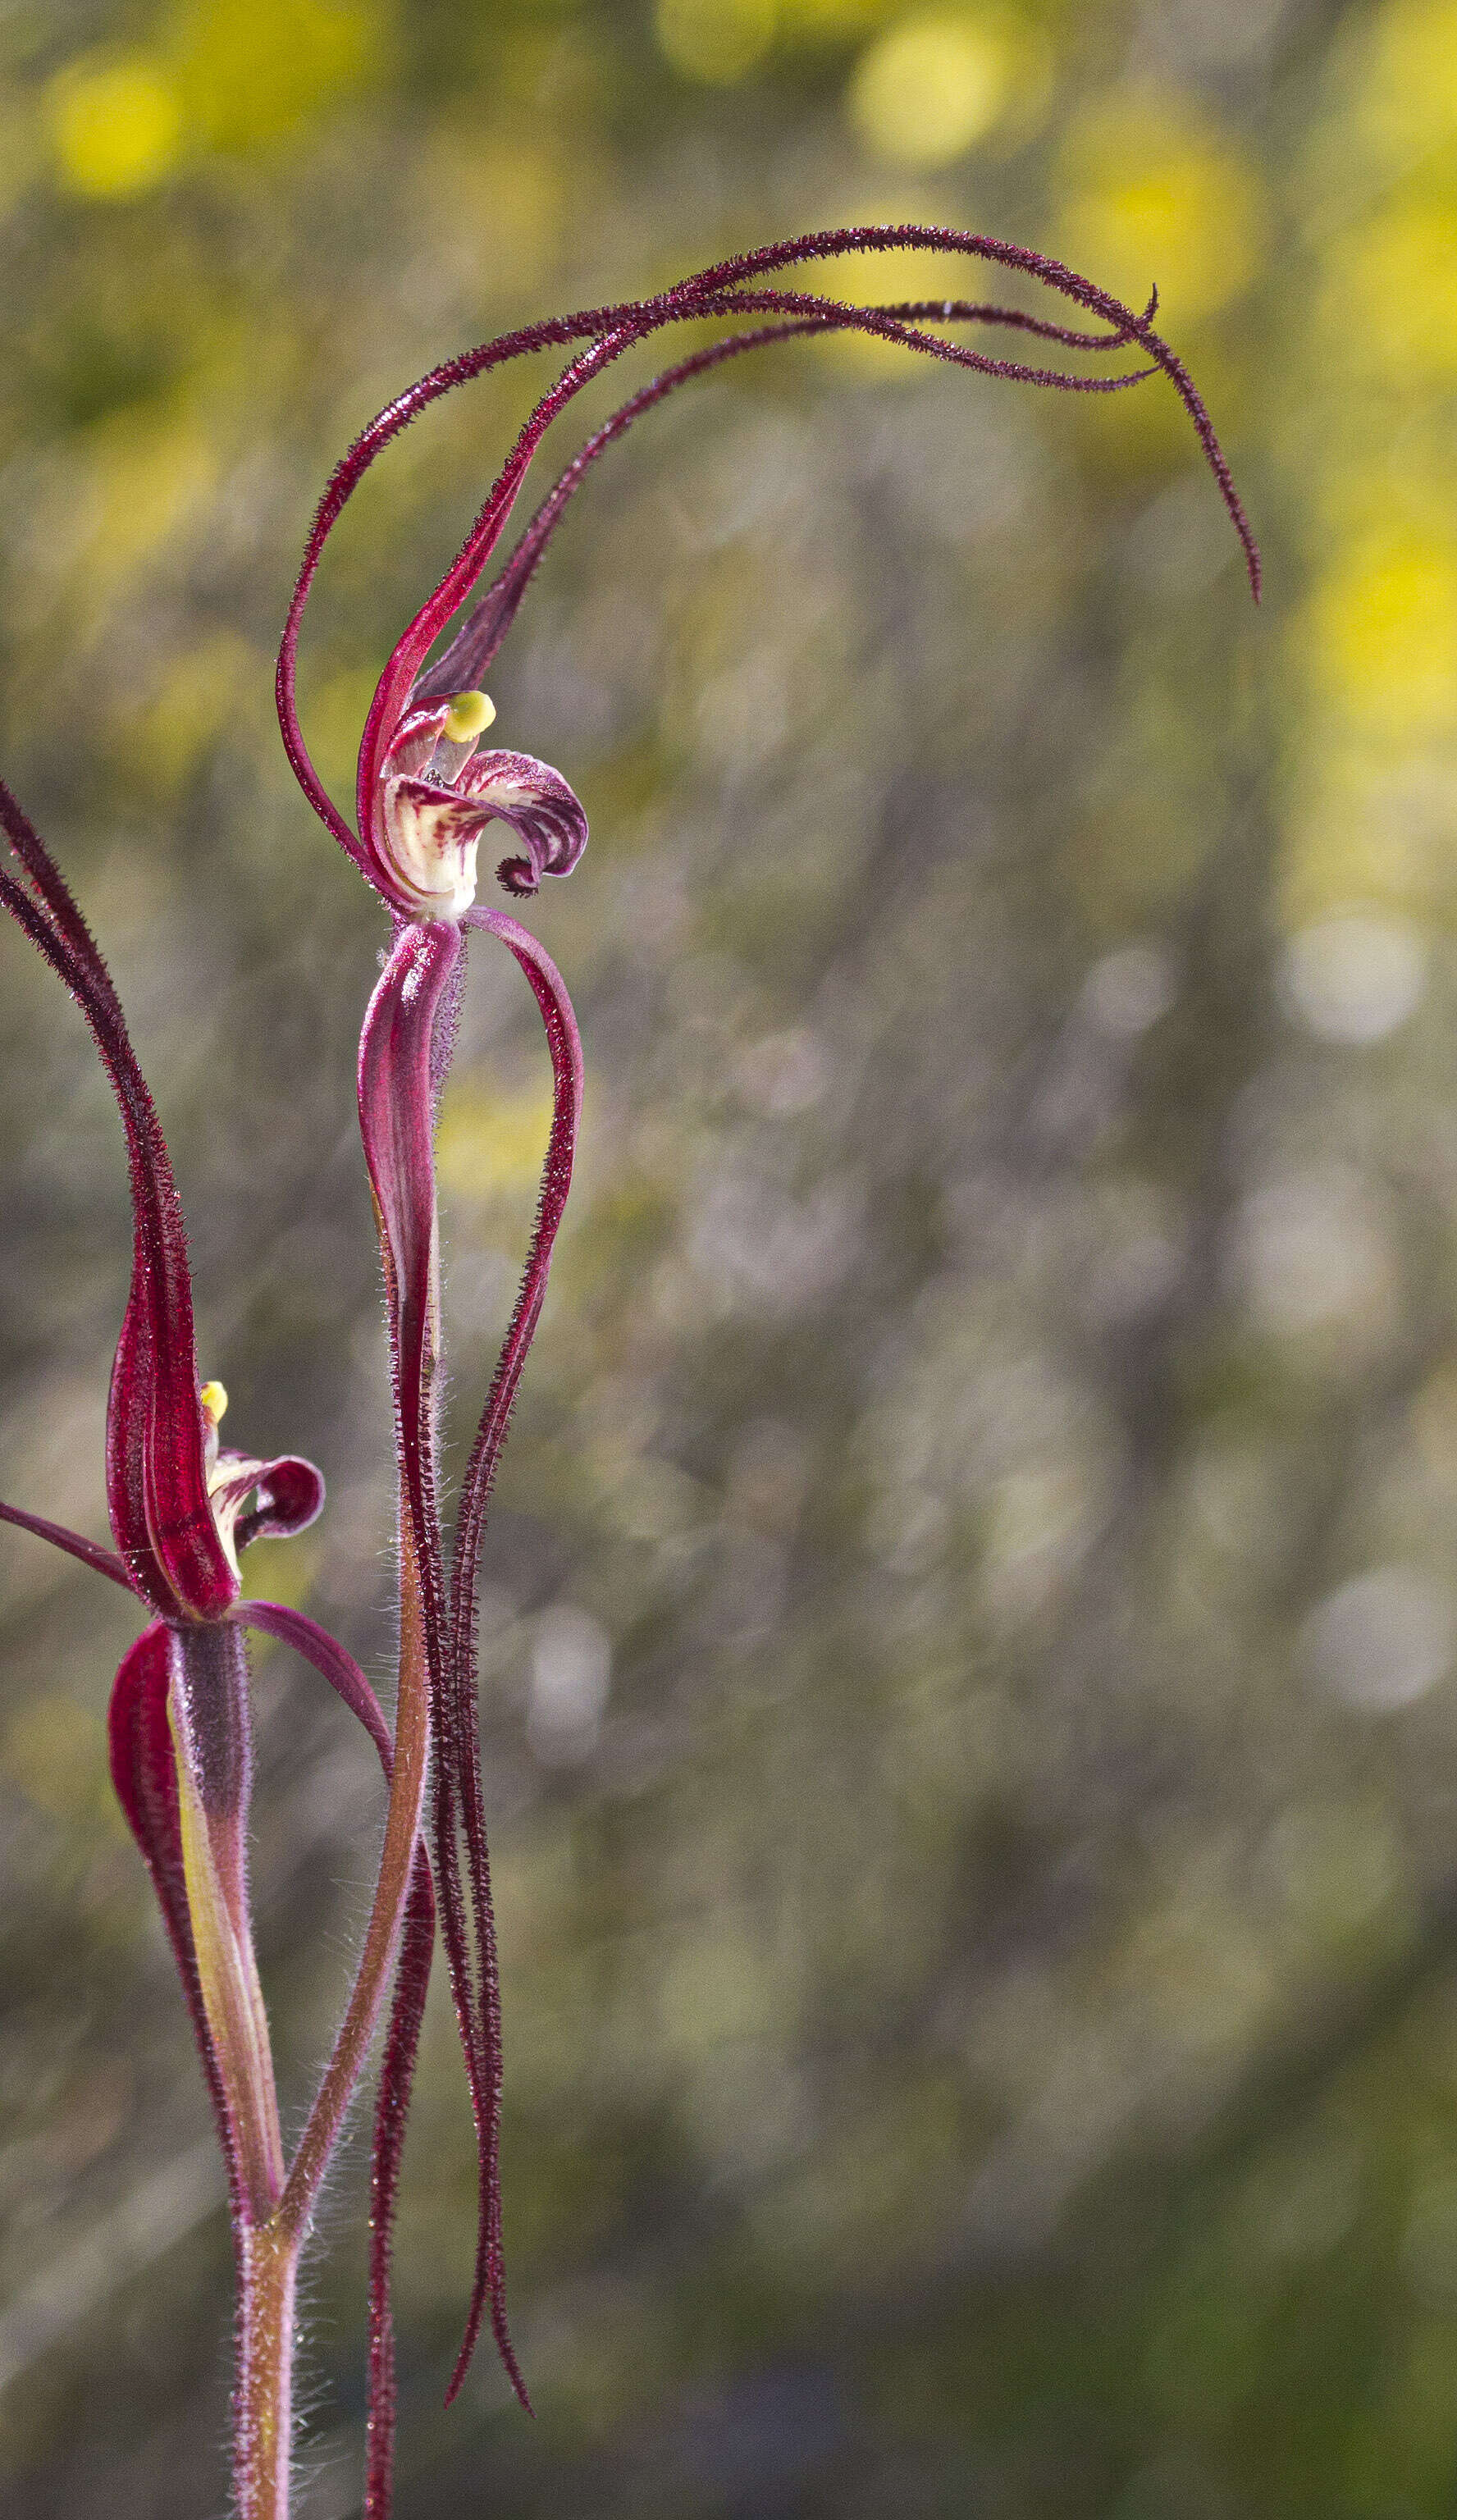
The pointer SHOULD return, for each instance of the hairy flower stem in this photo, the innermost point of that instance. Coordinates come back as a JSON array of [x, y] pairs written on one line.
[[264, 2407], [270, 2252], [211, 1734], [392, 1889]]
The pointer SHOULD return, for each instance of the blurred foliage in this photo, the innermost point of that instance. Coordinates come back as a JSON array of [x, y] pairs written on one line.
[[970, 1621]]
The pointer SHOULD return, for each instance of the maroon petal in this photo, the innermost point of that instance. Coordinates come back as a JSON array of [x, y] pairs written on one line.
[[474, 648], [156, 1469], [396, 1120], [329, 1658], [90, 1552], [721, 290], [690, 301], [145, 1775]]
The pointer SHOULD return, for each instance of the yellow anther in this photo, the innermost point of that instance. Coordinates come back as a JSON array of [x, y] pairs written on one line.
[[469, 713], [215, 1401]]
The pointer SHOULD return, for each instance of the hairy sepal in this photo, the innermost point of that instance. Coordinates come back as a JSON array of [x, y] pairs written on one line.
[[145, 1775], [396, 1120], [156, 1482], [460, 1812], [722, 289]]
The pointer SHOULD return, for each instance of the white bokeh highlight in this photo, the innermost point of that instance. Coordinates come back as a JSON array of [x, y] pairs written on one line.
[[1382, 1640], [571, 1664], [1353, 977]]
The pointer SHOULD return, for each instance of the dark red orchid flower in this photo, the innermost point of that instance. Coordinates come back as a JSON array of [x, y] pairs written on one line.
[[182, 1510], [425, 793]]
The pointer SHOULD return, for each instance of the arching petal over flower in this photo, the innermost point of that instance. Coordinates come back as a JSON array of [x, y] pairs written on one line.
[[475, 644], [723, 290]]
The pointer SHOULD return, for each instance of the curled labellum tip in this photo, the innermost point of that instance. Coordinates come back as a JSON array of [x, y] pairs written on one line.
[[437, 795]]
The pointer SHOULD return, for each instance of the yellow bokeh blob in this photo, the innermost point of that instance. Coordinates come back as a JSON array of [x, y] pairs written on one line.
[[1152, 193], [927, 89], [1388, 305], [1406, 87], [815, 25], [491, 1144], [55, 1751], [1380, 640], [715, 41], [250, 71], [116, 126]]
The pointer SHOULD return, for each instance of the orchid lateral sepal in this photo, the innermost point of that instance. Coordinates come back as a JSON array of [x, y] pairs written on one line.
[[459, 1797], [398, 1084], [144, 1774], [396, 1094], [156, 1484], [209, 1708], [423, 794], [400, 1072], [181, 1756]]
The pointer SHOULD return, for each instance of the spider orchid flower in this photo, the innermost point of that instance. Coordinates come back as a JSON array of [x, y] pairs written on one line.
[[182, 1510], [425, 793]]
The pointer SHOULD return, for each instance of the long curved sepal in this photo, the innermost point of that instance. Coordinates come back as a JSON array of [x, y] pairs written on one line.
[[417, 1944], [475, 644], [145, 1775], [460, 1810], [398, 1085], [156, 1483], [720, 290]]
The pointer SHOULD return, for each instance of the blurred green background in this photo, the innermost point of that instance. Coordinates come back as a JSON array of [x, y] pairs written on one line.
[[968, 1702]]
